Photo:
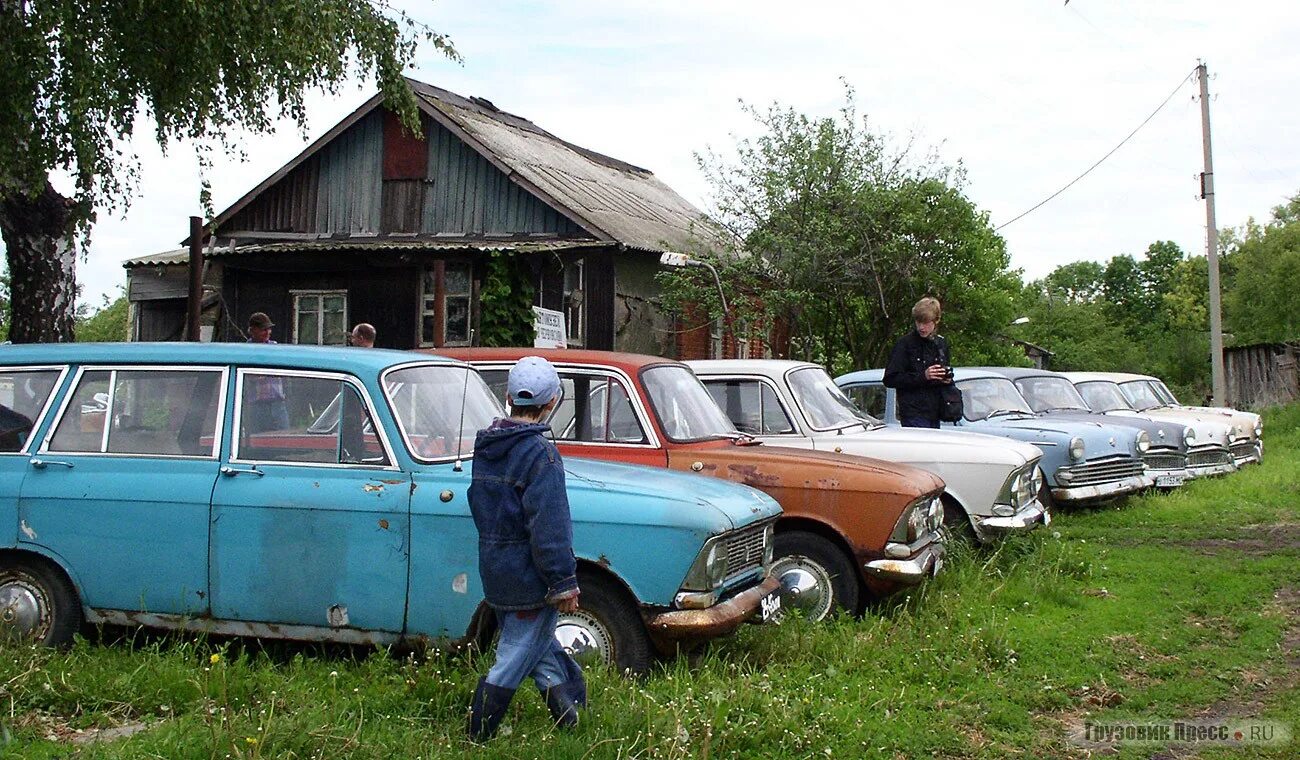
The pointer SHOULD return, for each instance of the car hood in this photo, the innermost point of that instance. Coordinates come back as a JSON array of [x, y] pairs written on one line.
[[937, 446], [1100, 440], [634, 494], [1163, 433], [779, 467], [1208, 429]]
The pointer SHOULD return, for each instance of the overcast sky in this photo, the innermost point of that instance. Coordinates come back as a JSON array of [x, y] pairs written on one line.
[[1026, 93]]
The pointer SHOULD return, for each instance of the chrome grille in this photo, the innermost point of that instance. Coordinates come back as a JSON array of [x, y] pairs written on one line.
[[1243, 449], [1105, 471], [745, 549], [1164, 460], [1209, 457]]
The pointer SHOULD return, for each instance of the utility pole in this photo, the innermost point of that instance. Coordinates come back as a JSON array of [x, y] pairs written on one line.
[[1219, 384]]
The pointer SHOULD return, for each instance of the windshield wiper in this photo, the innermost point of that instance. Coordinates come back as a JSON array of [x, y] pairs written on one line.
[[742, 439], [1001, 413]]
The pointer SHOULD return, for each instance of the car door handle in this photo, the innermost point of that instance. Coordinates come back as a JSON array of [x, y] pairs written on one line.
[[229, 471], [41, 464]]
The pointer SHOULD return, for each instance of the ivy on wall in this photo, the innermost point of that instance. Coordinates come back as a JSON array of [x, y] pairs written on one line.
[[506, 298]]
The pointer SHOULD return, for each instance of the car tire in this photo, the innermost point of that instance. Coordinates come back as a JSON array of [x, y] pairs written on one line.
[[816, 576], [38, 603], [957, 522], [607, 628]]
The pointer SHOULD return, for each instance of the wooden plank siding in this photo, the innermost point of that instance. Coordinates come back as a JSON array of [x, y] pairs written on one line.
[[467, 195]]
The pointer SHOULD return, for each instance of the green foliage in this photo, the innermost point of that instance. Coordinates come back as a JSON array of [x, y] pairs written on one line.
[[108, 323], [506, 302], [855, 231], [1163, 607], [1260, 307], [80, 77]]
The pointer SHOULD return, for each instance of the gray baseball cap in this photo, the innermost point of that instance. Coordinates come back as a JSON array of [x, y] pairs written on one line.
[[532, 382]]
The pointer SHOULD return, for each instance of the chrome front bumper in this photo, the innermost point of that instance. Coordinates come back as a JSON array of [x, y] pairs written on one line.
[[711, 622], [1211, 469], [1029, 517], [925, 563], [1104, 490], [1256, 455]]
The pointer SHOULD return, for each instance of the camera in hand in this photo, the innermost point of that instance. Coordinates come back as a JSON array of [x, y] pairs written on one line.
[[947, 372]]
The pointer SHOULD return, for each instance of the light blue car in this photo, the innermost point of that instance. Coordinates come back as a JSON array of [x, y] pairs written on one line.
[[1082, 461], [320, 494]]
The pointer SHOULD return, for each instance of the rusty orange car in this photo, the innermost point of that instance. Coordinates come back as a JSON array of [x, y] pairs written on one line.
[[854, 528]]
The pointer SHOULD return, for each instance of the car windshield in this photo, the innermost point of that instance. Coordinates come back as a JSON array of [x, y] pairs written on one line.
[[822, 401], [685, 409], [1140, 395], [1103, 396], [429, 402], [1050, 394], [983, 398]]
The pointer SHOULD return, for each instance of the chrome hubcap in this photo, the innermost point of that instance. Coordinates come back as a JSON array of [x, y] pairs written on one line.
[[805, 586], [585, 638], [23, 611]]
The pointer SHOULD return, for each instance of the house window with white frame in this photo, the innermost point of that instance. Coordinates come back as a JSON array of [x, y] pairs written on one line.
[[446, 295], [575, 285], [320, 317]]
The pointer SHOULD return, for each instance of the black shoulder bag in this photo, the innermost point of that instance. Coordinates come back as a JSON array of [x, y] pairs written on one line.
[[950, 409]]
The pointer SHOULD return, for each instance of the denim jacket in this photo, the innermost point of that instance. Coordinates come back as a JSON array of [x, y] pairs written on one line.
[[521, 510]]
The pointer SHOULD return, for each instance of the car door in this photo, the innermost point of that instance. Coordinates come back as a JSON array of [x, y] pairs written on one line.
[[25, 395], [310, 515], [119, 488], [598, 416]]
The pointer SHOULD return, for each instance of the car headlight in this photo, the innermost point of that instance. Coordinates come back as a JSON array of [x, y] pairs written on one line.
[[921, 516], [1076, 449], [1259, 428], [1189, 436], [1143, 442], [710, 566], [769, 545]]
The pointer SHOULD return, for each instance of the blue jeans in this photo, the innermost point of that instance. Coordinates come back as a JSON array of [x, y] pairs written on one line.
[[527, 647], [919, 422]]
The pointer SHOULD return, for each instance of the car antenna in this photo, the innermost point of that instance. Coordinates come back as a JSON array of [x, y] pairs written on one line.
[[460, 425]]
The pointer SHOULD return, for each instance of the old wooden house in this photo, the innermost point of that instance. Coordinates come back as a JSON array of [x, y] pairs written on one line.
[[374, 224]]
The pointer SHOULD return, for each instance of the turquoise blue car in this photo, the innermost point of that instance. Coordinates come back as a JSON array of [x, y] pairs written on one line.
[[320, 494], [1082, 461]]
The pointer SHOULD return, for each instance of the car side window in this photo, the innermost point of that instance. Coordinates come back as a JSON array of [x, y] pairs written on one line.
[[23, 394], [595, 409], [305, 420], [869, 398], [496, 380], [158, 412], [751, 405]]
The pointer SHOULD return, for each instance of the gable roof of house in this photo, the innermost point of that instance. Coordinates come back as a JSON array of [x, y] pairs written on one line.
[[612, 200]]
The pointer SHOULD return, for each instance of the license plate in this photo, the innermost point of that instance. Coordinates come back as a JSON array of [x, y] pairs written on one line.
[[769, 607], [1168, 481]]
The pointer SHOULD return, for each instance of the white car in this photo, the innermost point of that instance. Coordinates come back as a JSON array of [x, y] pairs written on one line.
[[992, 483], [1208, 451], [1247, 427]]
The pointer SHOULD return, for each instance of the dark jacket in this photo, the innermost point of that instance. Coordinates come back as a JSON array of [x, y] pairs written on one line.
[[521, 510], [912, 354]]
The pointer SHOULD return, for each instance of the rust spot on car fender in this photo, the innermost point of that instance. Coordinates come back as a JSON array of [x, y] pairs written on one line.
[[372, 488], [383, 524], [393, 482], [750, 475]]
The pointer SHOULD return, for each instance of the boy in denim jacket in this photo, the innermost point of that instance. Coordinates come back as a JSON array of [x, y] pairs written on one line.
[[525, 547]]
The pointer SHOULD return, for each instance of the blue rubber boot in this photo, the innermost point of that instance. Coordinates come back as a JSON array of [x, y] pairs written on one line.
[[487, 709]]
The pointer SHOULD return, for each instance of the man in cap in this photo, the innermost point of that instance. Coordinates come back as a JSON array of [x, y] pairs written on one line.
[[525, 547]]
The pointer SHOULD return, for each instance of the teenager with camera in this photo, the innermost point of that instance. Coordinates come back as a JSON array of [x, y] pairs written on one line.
[[920, 369]]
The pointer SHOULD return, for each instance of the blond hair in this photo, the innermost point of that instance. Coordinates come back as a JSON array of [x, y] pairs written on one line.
[[927, 310]]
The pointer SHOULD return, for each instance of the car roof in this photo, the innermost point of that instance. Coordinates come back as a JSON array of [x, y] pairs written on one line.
[[976, 373], [1017, 373], [1114, 377], [861, 376], [630, 363], [285, 355], [772, 367]]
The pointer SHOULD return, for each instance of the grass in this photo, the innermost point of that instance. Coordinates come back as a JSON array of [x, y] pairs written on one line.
[[1162, 607]]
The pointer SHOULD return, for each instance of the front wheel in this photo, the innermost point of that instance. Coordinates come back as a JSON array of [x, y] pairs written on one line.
[[37, 604], [606, 629], [816, 577]]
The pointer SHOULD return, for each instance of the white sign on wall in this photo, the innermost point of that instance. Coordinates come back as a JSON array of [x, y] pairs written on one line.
[[549, 325]]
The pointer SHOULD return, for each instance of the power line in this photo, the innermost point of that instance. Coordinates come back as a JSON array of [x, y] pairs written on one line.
[[1099, 162]]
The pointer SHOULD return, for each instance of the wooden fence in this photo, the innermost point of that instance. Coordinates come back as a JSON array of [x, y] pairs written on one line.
[[1263, 374]]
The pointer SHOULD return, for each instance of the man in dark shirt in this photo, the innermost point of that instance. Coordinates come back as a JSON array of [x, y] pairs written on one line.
[[919, 367]]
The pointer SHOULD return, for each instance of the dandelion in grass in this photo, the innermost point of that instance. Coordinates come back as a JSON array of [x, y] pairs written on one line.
[[215, 658]]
